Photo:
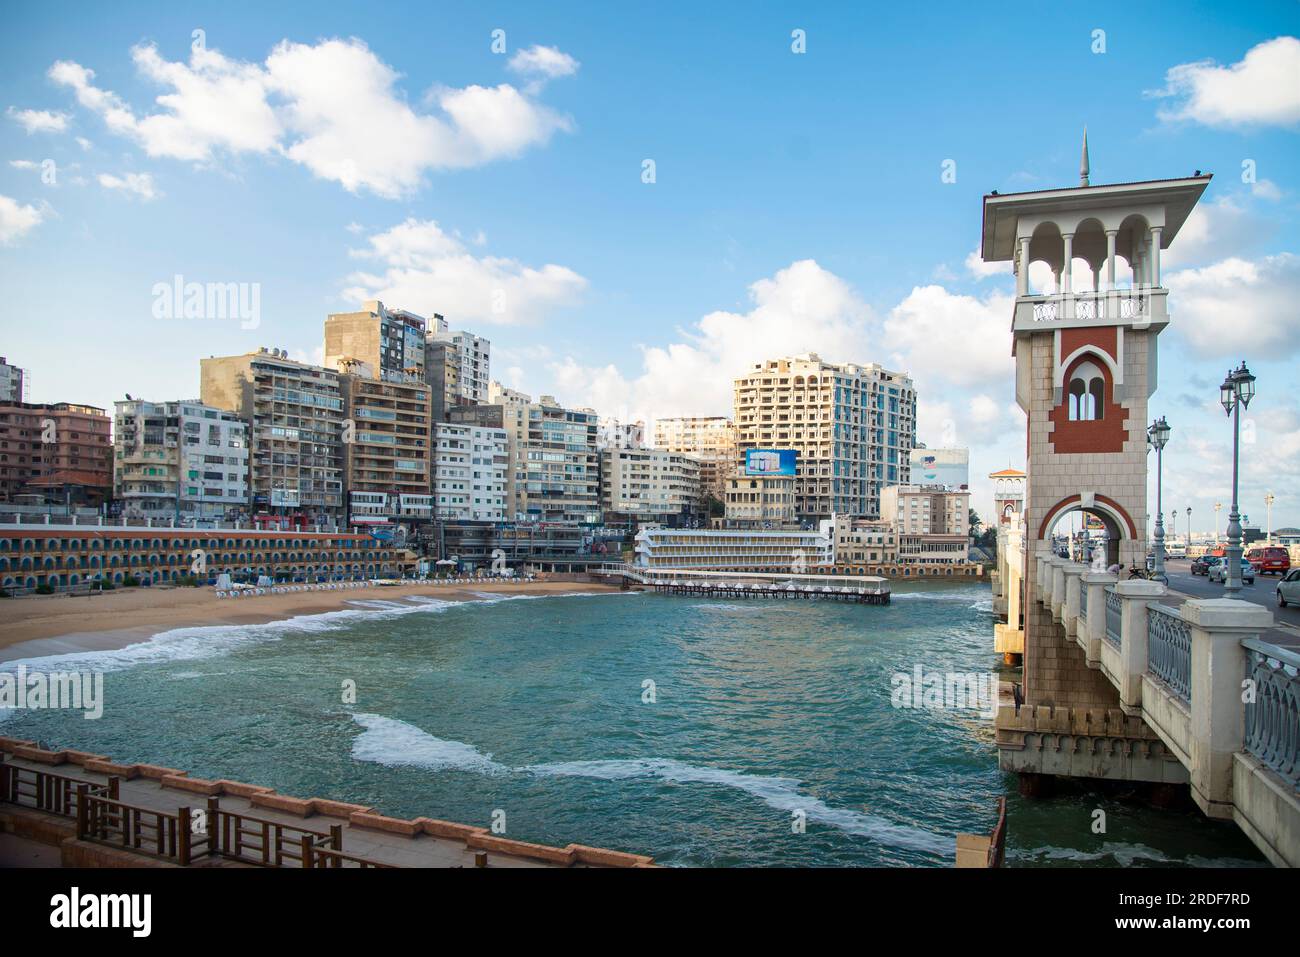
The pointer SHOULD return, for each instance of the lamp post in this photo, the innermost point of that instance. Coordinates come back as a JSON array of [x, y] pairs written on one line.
[[1157, 436], [1235, 394], [1189, 527], [1268, 504], [1218, 507]]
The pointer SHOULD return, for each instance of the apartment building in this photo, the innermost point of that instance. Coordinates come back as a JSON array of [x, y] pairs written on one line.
[[387, 455], [296, 415], [710, 440], [852, 425], [457, 366], [932, 522], [376, 343], [649, 485], [11, 382], [757, 501], [180, 459], [470, 466], [612, 433], [554, 473], [864, 541], [55, 453]]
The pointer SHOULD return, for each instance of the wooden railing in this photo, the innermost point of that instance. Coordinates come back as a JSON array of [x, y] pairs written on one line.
[[324, 857], [48, 792], [255, 840], [171, 837]]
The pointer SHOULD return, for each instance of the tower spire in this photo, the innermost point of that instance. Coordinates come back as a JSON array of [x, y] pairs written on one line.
[[1083, 162]]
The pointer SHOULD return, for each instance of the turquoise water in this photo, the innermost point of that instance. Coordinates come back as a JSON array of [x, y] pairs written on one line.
[[763, 713]]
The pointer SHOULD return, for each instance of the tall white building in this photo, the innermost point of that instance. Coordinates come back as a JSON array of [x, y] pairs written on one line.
[[852, 426], [457, 365], [711, 440], [469, 479], [179, 459]]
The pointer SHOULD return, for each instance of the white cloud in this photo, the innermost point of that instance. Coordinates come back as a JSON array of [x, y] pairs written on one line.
[[1239, 306], [426, 270], [1261, 89], [135, 184], [24, 164], [1214, 231], [948, 340], [17, 220], [978, 268], [40, 121], [1266, 189], [84, 143], [542, 64], [333, 107]]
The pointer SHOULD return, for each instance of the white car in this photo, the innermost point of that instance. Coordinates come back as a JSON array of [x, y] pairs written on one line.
[[1219, 572], [1288, 589]]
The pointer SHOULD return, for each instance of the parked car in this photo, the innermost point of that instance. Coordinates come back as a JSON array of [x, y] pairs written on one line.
[[1288, 589], [1204, 563], [1219, 572], [1269, 559]]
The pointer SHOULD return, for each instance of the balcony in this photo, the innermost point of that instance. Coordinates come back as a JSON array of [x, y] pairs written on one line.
[[1142, 308]]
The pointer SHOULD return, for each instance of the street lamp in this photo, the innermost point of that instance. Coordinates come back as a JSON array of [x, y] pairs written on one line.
[[1235, 393], [1189, 527], [1157, 436], [1268, 504], [1218, 507]]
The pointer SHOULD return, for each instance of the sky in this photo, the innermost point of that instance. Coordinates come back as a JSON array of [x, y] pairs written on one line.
[[634, 204]]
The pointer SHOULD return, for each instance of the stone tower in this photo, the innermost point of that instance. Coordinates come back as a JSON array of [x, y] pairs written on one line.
[[1085, 350]]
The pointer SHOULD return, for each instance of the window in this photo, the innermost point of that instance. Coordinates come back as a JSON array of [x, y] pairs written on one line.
[[1087, 395]]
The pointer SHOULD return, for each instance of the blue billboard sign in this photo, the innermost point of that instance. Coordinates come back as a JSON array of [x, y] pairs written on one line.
[[770, 461]]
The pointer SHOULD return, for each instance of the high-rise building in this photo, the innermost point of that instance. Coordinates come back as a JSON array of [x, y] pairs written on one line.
[[457, 367], [852, 426], [376, 343], [179, 459], [649, 485], [612, 433], [387, 455], [470, 466], [296, 414], [710, 440], [554, 473], [58, 453], [11, 382]]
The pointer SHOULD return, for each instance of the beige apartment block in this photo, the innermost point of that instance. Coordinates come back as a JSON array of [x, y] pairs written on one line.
[[296, 414], [710, 440], [756, 501], [649, 484], [387, 451], [554, 473], [376, 342], [852, 425]]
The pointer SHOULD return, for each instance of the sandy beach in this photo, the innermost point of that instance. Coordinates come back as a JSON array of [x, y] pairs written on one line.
[[59, 624]]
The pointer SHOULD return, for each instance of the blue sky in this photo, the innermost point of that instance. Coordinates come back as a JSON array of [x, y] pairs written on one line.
[[331, 151]]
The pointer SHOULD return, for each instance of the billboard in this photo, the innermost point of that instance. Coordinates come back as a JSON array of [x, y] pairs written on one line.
[[770, 461], [950, 467]]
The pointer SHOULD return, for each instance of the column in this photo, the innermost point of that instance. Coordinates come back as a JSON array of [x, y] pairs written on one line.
[[1068, 253], [1133, 642], [1110, 259], [1070, 608], [1096, 583], [1218, 726], [1155, 255], [1022, 279], [1058, 587]]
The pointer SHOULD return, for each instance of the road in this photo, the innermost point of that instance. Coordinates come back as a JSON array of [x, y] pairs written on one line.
[[1263, 592]]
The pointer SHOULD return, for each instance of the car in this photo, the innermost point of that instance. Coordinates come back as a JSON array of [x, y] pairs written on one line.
[[1269, 559], [1288, 589], [1202, 565], [1218, 572]]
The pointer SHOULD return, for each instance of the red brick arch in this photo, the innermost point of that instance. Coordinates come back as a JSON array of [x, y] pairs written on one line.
[[1065, 503], [1103, 435]]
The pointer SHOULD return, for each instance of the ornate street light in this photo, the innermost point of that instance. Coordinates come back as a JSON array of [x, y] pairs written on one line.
[[1268, 504], [1157, 437], [1235, 393], [1189, 527]]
